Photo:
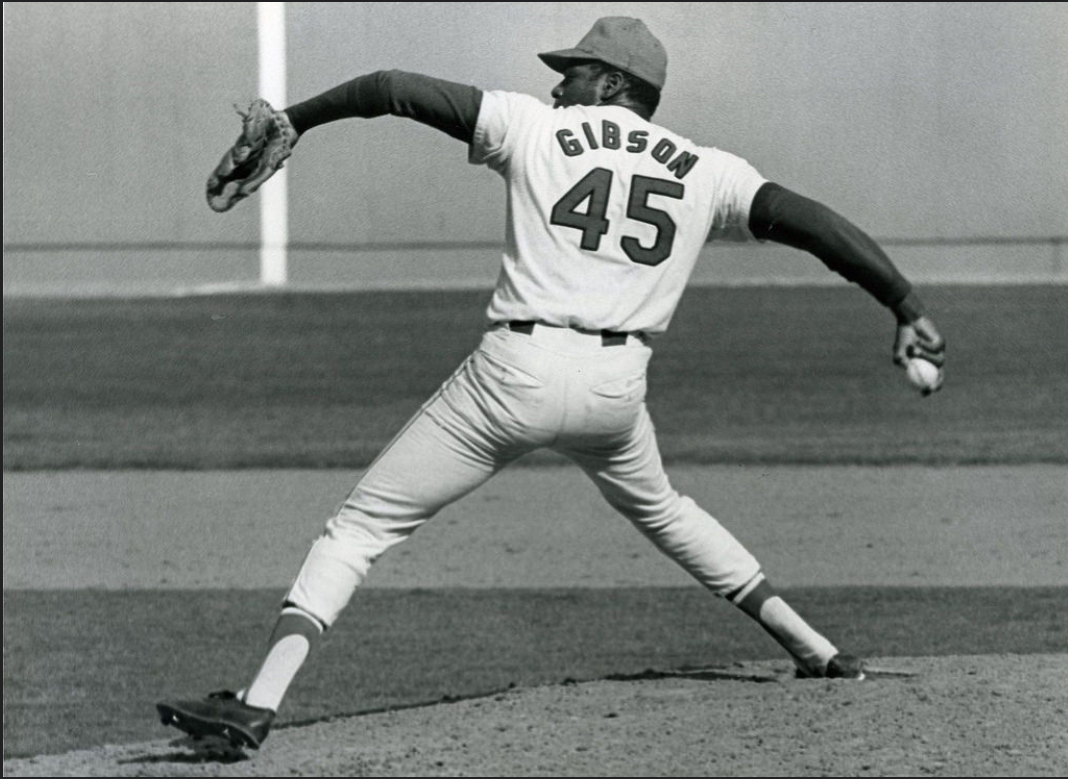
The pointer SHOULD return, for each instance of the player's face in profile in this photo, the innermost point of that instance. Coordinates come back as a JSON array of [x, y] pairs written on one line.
[[580, 86]]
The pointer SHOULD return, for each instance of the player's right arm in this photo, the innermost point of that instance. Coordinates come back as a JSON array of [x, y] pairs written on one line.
[[779, 215], [447, 106]]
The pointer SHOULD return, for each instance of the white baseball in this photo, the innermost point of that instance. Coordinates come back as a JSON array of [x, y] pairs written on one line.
[[923, 375]]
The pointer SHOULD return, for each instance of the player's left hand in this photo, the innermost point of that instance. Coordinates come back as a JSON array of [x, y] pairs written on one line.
[[920, 338], [266, 141]]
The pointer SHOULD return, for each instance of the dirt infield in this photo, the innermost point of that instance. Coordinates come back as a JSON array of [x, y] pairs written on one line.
[[542, 527], [962, 716]]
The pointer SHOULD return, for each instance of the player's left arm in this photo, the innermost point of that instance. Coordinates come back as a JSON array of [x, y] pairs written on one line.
[[779, 215], [445, 105], [268, 136]]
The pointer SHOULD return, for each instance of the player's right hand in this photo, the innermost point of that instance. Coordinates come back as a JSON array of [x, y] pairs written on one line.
[[919, 338]]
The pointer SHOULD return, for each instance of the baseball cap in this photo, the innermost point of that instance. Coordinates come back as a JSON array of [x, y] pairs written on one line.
[[622, 42]]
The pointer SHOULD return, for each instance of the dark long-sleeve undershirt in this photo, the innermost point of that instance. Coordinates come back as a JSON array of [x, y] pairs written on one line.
[[448, 106], [779, 215]]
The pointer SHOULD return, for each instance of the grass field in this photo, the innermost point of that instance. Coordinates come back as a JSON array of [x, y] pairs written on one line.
[[798, 375]]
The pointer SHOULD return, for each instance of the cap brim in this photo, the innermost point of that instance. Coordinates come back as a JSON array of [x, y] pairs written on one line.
[[560, 60]]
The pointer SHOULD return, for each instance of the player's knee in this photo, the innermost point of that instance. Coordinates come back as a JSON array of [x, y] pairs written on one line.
[[662, 512], [375, 529]]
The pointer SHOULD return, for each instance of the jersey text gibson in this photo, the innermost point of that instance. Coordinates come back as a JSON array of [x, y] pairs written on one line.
[[637, 141]]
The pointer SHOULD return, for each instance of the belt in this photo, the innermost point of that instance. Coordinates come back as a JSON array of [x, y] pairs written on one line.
[[608, 337]]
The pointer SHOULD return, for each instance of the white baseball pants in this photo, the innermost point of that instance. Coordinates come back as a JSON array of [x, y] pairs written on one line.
[[555, 388]]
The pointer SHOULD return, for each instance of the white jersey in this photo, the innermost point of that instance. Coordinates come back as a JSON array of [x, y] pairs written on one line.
[[607, 212]]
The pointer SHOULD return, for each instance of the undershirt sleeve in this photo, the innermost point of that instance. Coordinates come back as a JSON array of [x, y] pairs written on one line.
[[445, 105], [782, 216]]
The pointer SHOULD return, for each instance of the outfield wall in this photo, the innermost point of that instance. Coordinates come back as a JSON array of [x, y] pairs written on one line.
[[185, 270], [937, 127]]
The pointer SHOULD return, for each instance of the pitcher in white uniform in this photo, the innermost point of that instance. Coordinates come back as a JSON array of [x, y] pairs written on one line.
[[607, 214]]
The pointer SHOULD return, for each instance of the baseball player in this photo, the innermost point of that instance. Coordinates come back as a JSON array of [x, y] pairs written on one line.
[[607, 213]]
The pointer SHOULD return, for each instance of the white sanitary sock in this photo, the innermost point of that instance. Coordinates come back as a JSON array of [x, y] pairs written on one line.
[[810, 649], [290, 644], [277, 672]]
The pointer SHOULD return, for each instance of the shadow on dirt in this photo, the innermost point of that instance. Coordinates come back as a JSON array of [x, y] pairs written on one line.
[[198, 752], [700, 674]]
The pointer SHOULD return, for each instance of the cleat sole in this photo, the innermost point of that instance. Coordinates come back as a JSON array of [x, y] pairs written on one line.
[[202, 728]]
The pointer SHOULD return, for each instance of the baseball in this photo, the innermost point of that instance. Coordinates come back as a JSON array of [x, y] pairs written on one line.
[[923, 375]]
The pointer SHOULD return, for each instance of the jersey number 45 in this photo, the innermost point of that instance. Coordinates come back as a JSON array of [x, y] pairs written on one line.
[[596, 187]]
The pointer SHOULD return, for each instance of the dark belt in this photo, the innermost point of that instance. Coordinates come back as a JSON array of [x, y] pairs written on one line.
[[608, 337]]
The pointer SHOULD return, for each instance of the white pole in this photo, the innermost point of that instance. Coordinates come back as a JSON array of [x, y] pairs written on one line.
[[274, 203]]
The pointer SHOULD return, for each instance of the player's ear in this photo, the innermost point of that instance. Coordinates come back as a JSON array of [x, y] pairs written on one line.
[[612, 85]]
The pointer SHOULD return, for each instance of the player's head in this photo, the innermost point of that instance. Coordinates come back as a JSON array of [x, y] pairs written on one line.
[[617, 62]]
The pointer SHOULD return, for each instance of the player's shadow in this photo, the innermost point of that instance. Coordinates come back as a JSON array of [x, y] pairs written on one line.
[[195, 755], [188, 758], [717, 674], [699, 674]]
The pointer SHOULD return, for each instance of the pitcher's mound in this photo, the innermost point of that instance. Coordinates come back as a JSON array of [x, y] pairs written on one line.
[[945, 716]]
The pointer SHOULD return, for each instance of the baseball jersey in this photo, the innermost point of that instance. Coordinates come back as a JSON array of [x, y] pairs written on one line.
[[607, 212]]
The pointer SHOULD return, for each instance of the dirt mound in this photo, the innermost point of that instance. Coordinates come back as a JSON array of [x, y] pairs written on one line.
[[946, 716]]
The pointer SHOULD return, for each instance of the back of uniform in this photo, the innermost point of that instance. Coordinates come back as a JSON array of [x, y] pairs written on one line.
[[607, 212], [606, 215]]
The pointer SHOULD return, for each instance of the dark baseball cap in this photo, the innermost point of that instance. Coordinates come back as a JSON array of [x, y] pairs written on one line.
[[619, 41]]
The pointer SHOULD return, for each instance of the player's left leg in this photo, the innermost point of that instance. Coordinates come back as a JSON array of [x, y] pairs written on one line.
[[425, 468], [451, 446], [629, 473]]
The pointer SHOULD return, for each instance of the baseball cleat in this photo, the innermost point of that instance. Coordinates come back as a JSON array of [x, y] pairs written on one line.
[[221, 715], [838, 667], [845, 667]]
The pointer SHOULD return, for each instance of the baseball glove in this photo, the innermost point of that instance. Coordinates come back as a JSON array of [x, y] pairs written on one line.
[[266, 141]]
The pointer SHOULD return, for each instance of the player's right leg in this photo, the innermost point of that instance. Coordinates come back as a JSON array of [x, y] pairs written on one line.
[[629, 472]]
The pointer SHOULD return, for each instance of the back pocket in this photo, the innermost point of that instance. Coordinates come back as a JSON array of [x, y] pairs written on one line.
[[630, 388], [509, 375]]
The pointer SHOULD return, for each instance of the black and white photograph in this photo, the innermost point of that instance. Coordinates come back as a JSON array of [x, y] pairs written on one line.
[[535, 389]]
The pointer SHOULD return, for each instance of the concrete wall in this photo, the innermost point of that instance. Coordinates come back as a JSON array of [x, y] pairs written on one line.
[[939, 128]]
